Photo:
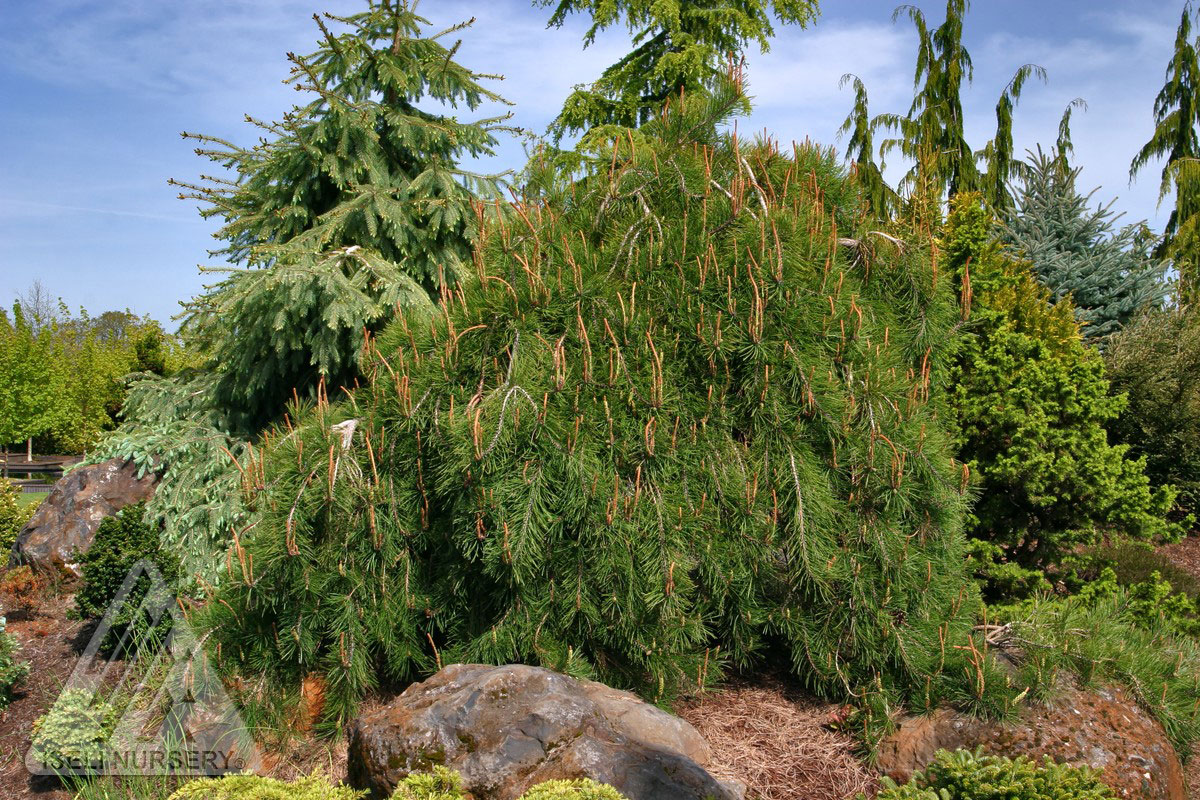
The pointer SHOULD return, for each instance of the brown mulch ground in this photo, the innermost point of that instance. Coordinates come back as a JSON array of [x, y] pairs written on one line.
[[776, 740], [1185, 554], [48, 643]]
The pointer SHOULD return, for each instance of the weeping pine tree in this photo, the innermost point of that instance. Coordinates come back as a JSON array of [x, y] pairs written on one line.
[[684, 413], [350, 206]]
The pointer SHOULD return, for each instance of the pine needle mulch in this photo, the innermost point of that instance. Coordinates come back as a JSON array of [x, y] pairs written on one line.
[[776, 741], [1185, 554]]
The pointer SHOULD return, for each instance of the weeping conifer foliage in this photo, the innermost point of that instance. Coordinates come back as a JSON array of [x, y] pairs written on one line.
[[351, 205], [684, 413]]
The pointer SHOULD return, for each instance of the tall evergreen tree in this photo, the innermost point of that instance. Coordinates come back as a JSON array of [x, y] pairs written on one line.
[[879, 199], [932, 134], [351, 205], [680, 45], [1177, 140], [1078, 251]]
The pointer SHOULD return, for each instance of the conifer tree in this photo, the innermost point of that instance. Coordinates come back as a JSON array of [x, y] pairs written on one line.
[[932, 134], [1078, 251], [880, 200], [1177, 140], [678, 46], [687, 412], [1031, 401], [350, 206]]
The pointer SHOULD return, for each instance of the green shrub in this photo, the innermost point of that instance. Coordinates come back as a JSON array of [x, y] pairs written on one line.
[[663, 428], [253, 787], [440, 784], [1133, 563], [582, 789], [1109, 640], [963, 775], [1156, 363], [72, 735], [1149, 601], [12, 671], [121, 541], [13, 516], [1031, 401], [445, 784]]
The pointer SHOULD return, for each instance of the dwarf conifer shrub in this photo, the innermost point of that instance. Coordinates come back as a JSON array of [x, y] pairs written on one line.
[[439, 784], [1031, 401], [73, 735], [446, 784], [686, 410], [582, 789], [966, 775], [254, 787], [122, 541], [12, 671]]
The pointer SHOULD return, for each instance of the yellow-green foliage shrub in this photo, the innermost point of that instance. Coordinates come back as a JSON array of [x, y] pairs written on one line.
[[582, 789], [446, 784], [253, 787], [1030, 402], [964, 775], [13, 515], [72, 736], [441, 784]]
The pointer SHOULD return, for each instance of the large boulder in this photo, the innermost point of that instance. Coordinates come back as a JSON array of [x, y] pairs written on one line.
[[508, 728], [1102, 728], [65, 523]]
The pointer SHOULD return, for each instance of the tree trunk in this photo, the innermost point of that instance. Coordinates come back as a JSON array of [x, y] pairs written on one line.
[[6, 462], [29, 450]]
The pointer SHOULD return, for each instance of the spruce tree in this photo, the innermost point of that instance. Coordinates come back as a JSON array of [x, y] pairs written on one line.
[[687, 412], [1078, 251], [350, 206], [680, 46]]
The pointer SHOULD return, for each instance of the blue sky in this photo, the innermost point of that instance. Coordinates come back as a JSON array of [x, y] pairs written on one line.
[[96, 92]]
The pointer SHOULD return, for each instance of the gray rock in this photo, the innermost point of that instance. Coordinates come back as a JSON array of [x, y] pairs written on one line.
[[506, 729], [65, 523]]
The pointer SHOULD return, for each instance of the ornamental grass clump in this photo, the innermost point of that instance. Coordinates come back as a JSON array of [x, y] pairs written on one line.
[[684, 414]]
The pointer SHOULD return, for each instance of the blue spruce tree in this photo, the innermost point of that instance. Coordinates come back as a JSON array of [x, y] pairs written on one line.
[[1077, 250]]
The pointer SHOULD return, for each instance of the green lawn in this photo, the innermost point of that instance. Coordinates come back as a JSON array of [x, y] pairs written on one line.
[[31, 498]]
